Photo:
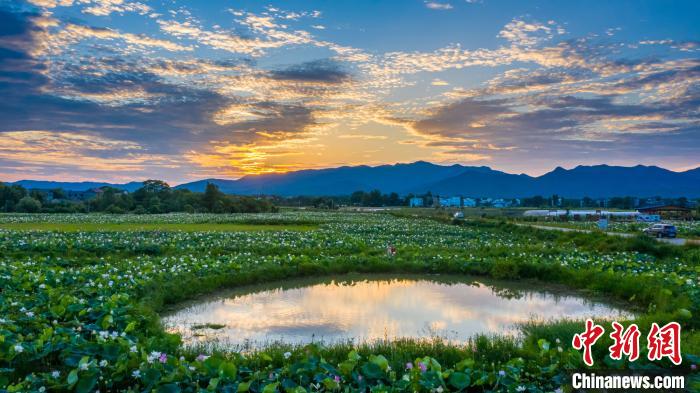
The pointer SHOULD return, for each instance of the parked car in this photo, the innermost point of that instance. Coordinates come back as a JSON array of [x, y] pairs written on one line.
[[459, 215], [661, 230]]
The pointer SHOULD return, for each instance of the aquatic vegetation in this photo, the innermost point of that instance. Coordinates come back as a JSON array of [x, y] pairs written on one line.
[[78, 308]]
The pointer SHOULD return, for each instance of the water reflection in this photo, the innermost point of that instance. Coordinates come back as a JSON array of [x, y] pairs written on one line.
[[370, 308]]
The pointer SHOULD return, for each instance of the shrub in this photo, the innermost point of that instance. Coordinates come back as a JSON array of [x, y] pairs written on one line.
[[505, 269], [28, 205]]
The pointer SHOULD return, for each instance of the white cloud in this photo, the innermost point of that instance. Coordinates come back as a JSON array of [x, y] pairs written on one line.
[[433, 5], [269, 33], [522, 33], [51, 3], [72, 33], [97, 7], [365, 137]]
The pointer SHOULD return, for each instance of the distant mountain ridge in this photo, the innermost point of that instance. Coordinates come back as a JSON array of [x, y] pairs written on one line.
[[597, 181], [75, 186]]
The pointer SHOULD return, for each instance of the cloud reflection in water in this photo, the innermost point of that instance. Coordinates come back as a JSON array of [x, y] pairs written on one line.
[[375, 309]]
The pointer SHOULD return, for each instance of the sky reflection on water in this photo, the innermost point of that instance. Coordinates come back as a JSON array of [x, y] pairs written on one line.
[[371, 309]]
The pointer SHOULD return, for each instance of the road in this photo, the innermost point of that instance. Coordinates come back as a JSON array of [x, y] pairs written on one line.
[[675, 242]]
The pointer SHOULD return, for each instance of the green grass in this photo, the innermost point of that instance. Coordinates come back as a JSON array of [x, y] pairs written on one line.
[[141, 227], [64, 289], [398, 352]]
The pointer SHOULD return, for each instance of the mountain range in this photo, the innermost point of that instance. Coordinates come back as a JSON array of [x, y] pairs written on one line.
[[598, 181], [75, 186]]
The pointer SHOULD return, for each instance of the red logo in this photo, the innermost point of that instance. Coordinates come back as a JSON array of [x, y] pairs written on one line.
[[665, 342], [586, 340], [626, 342]]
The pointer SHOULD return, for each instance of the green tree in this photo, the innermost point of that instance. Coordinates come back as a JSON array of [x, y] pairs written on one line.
[[393, 200], [211, 197], [536, 201], [374, 198], [357, 197], [58, 193], [28, 205], [38, 195], [10, 195], [155, 186], [154, 206]]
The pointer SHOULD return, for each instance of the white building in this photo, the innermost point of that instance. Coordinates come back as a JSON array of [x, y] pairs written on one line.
[[582, 214], [415, 202], [454, 201], [500, 203]]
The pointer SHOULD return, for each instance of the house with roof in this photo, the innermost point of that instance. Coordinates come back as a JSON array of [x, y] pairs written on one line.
[[667, 211], [415, 202]]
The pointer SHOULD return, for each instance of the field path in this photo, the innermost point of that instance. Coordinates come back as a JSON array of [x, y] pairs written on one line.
[[675, 242]]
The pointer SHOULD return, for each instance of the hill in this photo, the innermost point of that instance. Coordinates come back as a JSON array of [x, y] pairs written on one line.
[[75, 186], [596, 181]]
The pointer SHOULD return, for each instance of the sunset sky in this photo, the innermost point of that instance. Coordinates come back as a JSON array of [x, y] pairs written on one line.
[[119, 90]]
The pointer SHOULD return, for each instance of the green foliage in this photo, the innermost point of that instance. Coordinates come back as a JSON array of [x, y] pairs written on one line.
[[375, 198], [28, 205], [505, 269], [10, 195], [154, 197], [78, 309]]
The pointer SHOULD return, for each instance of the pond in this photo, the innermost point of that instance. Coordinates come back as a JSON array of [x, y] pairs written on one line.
[[368, 308]]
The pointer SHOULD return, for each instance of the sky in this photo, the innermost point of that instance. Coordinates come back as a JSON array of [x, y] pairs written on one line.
[[120, 90]]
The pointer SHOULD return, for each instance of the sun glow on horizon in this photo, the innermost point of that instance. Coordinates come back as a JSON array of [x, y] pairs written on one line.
[[115, 90]]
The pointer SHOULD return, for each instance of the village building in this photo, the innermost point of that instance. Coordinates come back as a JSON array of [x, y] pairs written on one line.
[[469, 202], [500, 203], [583, 214], [415, 202], [668, 211]]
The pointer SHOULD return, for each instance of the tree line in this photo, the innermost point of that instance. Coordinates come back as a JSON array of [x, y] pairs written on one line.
[[155, 196], [374, 198], [625, 203]]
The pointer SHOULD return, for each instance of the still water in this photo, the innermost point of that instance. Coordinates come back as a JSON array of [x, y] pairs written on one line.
[[367, 308]]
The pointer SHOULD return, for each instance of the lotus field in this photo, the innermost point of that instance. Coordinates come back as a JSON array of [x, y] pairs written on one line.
[[81, 295]]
